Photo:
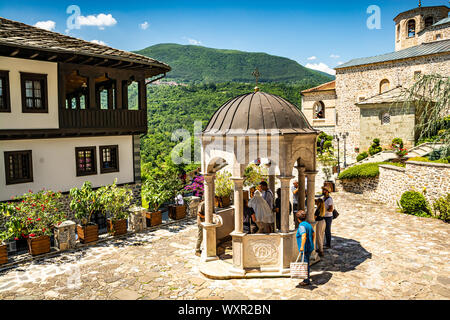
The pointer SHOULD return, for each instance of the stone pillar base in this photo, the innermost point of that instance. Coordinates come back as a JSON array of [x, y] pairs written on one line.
[[209, 237], [65, 235], [137, 219]]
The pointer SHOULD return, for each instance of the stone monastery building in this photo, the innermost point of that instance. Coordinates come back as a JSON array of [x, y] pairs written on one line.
[[362, 99]]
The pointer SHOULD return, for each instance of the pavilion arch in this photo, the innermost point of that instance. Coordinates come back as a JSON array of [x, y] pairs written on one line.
[[258, 125]]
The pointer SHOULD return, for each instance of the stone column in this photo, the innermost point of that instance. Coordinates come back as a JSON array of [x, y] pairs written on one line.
[[65, 235], [209, 197], [285, 181], [311, 195], [301, 188], [272, 183], [238, 205], [137, 220], [209, 228]]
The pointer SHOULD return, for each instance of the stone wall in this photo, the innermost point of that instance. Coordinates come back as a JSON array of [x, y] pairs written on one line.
[[364, 81], [393, 181], [329, 100], [401, 121]]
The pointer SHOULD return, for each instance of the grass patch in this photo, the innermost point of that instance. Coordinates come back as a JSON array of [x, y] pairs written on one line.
[[367, 170]]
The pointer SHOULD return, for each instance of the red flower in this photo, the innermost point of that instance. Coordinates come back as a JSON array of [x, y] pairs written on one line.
[[17, 208], [38, 219], [29, 219], [32, 235], [16, 238], [43, 230]]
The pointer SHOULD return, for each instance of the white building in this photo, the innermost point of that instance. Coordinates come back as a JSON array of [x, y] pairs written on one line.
[[66, 115]]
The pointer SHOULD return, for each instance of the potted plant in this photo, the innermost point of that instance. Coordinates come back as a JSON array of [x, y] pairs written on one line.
[[3, 247], [197, 186], [39, 213], [116, 202], [155, 194], [397, 146], [223, 189], [253, 175], [85, 201], [177, 211]]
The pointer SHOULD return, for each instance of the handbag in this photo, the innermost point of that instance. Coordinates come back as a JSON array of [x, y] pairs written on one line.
[[299, 270], [335, 214]]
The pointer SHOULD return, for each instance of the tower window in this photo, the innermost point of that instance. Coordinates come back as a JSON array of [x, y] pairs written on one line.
[[398, 32], [429, 21], [411, 28]]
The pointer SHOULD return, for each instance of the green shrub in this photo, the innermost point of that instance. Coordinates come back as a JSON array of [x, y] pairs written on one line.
[[413, 202], [327, 145], [362, 156], [442, 208], [375, 147], [367, 170], [422, 159], [397, 143]]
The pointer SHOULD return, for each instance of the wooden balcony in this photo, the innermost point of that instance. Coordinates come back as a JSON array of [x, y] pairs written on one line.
[[104, 120]]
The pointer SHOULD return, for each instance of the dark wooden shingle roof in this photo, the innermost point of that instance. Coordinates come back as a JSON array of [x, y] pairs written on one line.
[[20, 35]]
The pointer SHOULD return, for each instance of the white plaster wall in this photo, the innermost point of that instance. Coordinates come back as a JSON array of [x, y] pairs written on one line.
[[18, 120], [54, 163]]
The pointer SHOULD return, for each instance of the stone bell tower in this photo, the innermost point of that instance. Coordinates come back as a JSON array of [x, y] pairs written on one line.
[[410, 24]]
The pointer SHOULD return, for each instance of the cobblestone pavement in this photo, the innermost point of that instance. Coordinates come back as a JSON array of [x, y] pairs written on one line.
[[377, 254]]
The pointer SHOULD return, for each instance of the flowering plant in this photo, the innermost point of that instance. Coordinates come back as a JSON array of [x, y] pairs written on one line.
[[34, 215], [223, 184], [197, 186], [116, 201]]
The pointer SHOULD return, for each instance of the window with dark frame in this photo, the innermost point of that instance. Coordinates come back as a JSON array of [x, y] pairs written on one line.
[[411, 28], [109, 159], [5, 105], [18, 167], [34, 93], [85, 161]]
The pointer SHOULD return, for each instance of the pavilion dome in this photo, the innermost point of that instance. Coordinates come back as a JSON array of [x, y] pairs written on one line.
[[260, 112]]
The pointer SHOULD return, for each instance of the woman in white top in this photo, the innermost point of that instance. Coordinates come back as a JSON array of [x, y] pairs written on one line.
[[329, 207]]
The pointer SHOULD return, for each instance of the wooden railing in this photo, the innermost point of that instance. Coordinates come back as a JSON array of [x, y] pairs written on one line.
[[122, 120]]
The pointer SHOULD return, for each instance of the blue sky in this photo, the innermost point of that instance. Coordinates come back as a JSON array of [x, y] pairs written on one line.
[[332, 32]]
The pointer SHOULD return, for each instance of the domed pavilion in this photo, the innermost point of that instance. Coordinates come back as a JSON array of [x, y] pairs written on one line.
[[253, 126]]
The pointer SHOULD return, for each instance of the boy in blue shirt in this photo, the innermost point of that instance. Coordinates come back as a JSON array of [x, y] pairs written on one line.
[[306, 238]]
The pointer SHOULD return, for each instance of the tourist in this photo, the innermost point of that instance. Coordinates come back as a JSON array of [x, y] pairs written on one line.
[[295, 191], [263, 213], [320, 227], [329, 207], [249, 219], [278, 208], [200, 220], [306, 238], [267, 194]]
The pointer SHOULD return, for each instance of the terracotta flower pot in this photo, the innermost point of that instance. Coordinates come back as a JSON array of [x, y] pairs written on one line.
[[222, 202], [117, 228], [38, 245], [153, 218], [88, 233], [3, 253], [177, 212]]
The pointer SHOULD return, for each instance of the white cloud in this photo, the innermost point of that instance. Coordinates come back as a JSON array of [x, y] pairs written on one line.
[[340, 62], [101, 20], [99, 42], [144, 26], [312, 58], [321, 67], [335, 56], [193, 41], [47, 25]]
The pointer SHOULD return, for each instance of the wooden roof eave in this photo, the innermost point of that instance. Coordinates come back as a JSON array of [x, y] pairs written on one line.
[[162, 68]]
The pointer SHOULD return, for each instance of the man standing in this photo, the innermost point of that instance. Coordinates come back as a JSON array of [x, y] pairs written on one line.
[[267, 194], [200, 219], [306, 238], [329, 208]]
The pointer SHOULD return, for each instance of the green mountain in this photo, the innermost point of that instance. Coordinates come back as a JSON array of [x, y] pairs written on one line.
[[200, 64]]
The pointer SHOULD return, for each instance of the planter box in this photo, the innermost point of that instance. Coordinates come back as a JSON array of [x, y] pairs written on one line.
[[153, 218], [222, 202], [177, 212], [39, 245], [87, 234], [3, 254], [117, 228]]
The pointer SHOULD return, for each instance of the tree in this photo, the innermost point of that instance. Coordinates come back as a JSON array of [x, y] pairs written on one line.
[[430, 94]]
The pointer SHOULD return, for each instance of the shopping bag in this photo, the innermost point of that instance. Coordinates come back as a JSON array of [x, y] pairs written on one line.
[[299, 270]]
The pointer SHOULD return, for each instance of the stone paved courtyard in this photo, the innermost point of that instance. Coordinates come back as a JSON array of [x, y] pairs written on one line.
[[377, 254]]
